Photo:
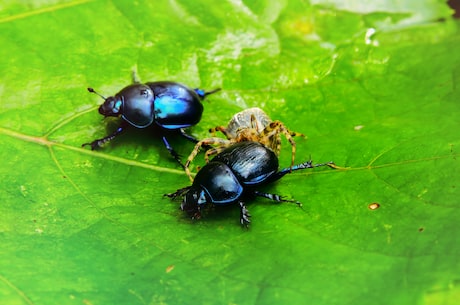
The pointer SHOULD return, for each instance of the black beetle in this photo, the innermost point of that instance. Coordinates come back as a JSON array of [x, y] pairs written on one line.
[[169, 104], [233, 175]]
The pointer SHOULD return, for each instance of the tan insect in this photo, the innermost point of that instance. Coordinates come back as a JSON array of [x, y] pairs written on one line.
[[252, 124]]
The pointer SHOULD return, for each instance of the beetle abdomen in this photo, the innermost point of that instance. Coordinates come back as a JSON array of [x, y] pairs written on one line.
[[175, 106], [173, 113]]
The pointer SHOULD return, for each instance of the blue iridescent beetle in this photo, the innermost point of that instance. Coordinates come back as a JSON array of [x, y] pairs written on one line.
[[170, 105], [234, 175]]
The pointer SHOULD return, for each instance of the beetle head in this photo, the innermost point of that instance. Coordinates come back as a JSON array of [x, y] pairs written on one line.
[[195, 196], [193, 200], [111, 106]]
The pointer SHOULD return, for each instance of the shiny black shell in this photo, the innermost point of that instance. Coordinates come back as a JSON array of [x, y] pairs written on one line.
[[242, 165], [169, 104], [251, 162], [176, 105], [219, 183], [137, 106]]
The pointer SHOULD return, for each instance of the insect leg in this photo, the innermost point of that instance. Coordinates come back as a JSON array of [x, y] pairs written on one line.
[[173, 153], [100, 142], [187, 136], [221, 129], [203, 143], [305, 165], [179, 193], [244, 215], [276, 197]]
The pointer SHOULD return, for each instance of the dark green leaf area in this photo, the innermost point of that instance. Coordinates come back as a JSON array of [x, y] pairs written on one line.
[[374, 87]]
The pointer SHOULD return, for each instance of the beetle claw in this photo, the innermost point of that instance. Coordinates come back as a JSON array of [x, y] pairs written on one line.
[[172, 152], [244, 215]]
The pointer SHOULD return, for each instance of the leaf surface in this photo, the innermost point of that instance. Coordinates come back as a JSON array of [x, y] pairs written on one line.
[[374, 86]]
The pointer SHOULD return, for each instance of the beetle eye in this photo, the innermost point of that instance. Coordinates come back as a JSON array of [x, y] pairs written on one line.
[[144, 92], [202, 198], [117, 106]]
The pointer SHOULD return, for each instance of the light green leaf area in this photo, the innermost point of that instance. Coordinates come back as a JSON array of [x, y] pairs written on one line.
[[375, 87]]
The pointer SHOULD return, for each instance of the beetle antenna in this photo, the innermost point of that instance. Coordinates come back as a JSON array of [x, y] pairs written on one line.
[[94, 91]]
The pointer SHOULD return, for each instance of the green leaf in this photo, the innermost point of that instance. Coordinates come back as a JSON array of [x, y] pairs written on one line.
[[374, 86]]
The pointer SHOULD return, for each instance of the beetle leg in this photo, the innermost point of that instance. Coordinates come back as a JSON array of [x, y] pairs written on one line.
[[244, 215], [172, 151], [305, 165], [179, 193], [187, 136], [100, 142], [276, 197]]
